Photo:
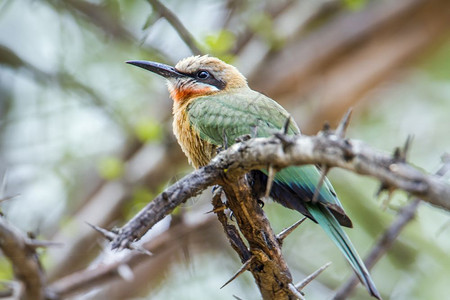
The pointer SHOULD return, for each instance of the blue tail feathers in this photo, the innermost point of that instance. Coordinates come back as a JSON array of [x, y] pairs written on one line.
[[334, 231], [294, 187]]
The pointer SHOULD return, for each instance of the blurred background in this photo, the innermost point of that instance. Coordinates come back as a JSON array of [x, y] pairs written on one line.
[[86, 138]]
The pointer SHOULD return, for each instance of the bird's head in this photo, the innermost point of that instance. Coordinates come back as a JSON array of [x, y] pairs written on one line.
[[196, 76]]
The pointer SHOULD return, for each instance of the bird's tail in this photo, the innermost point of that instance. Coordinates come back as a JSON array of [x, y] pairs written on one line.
[[331, 226]]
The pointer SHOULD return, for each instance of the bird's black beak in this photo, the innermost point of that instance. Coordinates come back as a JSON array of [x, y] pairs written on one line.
[[160, 69]]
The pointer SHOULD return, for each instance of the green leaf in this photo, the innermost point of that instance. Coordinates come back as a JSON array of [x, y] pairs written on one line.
[[220, 43], [354, 5], [148, 130], [110, 168]]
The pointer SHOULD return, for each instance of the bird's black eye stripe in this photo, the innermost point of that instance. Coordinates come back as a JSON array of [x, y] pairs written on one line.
[[202, 74]]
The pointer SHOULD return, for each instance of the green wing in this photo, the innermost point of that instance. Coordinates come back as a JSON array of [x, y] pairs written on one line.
[[232, 116]]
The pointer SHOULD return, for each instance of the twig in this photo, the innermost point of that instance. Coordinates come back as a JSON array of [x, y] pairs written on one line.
[[185, 35]]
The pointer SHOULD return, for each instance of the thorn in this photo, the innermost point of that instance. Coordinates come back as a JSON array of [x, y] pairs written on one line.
[[270, 178], [236, 297], [141, 249], [284, 139], [285, 232], [216, 210], [241, 270], [326, 128], [397, 155], [342, 127], [295, 292], [406, 147], [286, 125], [323, 174], [105, 233], [110, 236], [301, 285]]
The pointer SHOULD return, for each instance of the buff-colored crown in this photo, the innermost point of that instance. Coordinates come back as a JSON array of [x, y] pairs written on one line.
[[219, 69]]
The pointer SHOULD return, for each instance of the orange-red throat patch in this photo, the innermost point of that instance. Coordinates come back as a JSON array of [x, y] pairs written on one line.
[[184, 93]]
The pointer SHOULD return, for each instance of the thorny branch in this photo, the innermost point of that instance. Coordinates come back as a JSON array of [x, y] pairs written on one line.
[[291, 150], [85, 280], [20, 250]]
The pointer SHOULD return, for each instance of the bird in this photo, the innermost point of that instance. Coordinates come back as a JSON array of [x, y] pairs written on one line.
[[213, 106]]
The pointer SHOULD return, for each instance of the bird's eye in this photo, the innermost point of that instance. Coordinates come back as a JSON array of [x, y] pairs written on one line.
[[203, 74]]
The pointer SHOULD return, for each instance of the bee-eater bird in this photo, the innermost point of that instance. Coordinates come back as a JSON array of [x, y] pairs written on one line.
[[213, 106]]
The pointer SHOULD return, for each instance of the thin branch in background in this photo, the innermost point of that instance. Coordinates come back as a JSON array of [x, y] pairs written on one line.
[[90, 278], [185, 35], [405, 215]]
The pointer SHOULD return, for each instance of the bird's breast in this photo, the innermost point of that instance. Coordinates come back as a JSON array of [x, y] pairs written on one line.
[[198, 151]]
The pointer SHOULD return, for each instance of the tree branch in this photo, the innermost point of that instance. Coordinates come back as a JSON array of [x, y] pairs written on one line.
[[26, 266], [257, 153], [85, 280], [185, 35]]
